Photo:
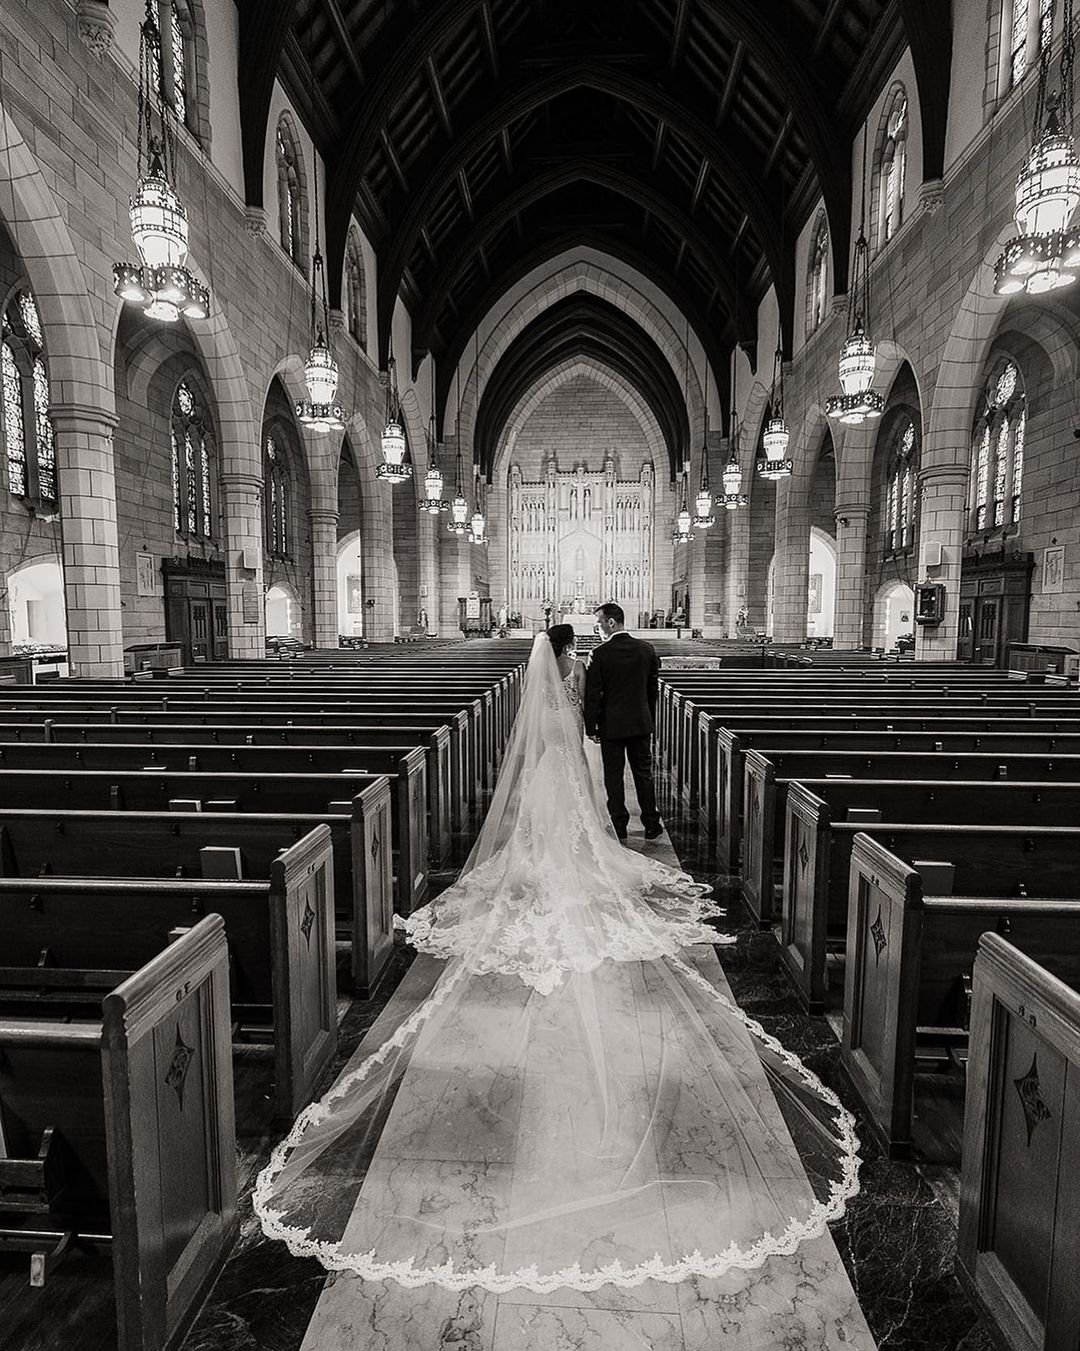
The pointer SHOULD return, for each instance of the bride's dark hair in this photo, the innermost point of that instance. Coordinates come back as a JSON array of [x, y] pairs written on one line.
[[561, 636]]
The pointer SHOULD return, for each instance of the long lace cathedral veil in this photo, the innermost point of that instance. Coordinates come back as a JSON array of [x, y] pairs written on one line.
[[572, 1103]]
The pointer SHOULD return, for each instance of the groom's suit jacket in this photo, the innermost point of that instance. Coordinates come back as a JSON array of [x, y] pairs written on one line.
[[621, 688]]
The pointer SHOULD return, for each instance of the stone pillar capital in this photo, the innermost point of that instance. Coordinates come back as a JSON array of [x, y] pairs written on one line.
[[97, 25], [943, 475], [931, 195], [255, 221], [241, 480], [82, 417], [323, 515]]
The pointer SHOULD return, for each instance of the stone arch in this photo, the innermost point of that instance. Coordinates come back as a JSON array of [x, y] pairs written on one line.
[[821, 595], [38, 581], [78, 374], [592, 271], [887, 621]]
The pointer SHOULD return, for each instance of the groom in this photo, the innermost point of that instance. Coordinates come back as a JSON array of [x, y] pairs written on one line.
[[620, 702]]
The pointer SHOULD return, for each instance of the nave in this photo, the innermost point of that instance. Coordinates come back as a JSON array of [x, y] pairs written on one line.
[[886, 1273]]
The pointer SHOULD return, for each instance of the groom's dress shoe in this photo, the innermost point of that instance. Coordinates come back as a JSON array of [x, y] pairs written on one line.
[[655, 833]]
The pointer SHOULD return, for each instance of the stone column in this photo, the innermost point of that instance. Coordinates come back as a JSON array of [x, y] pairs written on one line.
[[792, 569], [324, 522], [850, 614], [378, 574], [942, 511], [90, 548], [241, 513]]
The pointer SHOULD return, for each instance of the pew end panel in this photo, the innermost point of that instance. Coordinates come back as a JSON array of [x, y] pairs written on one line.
[[440, 794], [412, 834], [803, 920], [167, 1072], [759, 824], [1018, 1247], [302, 945], [728, 798], [884, 928], [373, 914]]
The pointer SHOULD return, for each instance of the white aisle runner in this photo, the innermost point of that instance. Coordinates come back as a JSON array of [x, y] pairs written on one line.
[[805, 1300]]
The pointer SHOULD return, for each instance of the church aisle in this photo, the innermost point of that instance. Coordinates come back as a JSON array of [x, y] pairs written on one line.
[[887, 1267]]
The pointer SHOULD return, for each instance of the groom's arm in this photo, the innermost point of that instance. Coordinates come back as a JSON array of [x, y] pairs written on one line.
[[594, 694]]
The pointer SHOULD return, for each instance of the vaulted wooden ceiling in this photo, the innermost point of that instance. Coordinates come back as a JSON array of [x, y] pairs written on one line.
[[690, 138]]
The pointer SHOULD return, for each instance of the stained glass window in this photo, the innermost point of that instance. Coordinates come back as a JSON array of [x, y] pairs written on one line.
[[816, 289], [14, 434], [277, 501], [355, 297], [28, 436], [899, 508], [1018, 42], [179, 63], [28, 310], [46, 446], [289, 193], [998, 461], [893, 172], [1046, 23], [192, 474]]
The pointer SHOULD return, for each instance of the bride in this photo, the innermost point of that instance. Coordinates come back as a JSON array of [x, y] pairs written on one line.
[[574, 1102]]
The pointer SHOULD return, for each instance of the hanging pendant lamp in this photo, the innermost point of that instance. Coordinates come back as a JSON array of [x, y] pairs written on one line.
[[733, 497], [683, 534], [776, 437], [478, 523], [393, 444], [433, 502], [459, 507], [1045, 255], [703, 502], [160, 284], [858, 402], [320, 410]]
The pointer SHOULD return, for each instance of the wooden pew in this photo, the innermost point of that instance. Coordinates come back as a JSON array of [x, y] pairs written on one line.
[[401, 764], [282, 795], [38, 842], [910, 952], [138, 1150], [280, 934], [1018, 1249], [447, 746], [766, 780], [818, 844], [721, 765]]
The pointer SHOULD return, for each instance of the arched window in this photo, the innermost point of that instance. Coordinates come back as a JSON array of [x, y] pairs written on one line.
[[997, 457], [28, 438], [817, 277], [277, 494], [1026, 29], [899, 511], [291, 192], [192, 467], [892, 167], [355, 291], [181, 34]]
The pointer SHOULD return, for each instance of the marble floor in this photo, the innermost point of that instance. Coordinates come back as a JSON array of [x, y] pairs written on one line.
[[882, 1277]]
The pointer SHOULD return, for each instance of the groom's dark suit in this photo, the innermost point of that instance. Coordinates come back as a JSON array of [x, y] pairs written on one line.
[[621, 690]]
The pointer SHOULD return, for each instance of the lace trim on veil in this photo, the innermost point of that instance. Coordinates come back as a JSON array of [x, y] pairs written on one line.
[[736, 1257]]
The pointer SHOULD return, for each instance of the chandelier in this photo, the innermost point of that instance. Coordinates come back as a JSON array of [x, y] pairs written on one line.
[[160, 284], [433, 501], [776, 436], [703, 502], [393, 444], [857, 402], [1045, 256], [682, 534], [734, 496], [459, 523], [321, 410]]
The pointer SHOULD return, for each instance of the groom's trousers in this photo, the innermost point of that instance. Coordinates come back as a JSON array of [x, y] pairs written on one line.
[[615, 752]]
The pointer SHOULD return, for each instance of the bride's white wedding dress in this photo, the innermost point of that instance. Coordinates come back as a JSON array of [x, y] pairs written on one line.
[[571, 1104]]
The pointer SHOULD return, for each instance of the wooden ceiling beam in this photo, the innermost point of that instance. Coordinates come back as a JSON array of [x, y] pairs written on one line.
[[491, 46], [678, 34], [700, 186], [659, 143], [344, 37], [824, 32], [394, 162], [778, 144], [439, 97], [507, 152], [262, 30], [928, 24], [727, 98], [466, 194]]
